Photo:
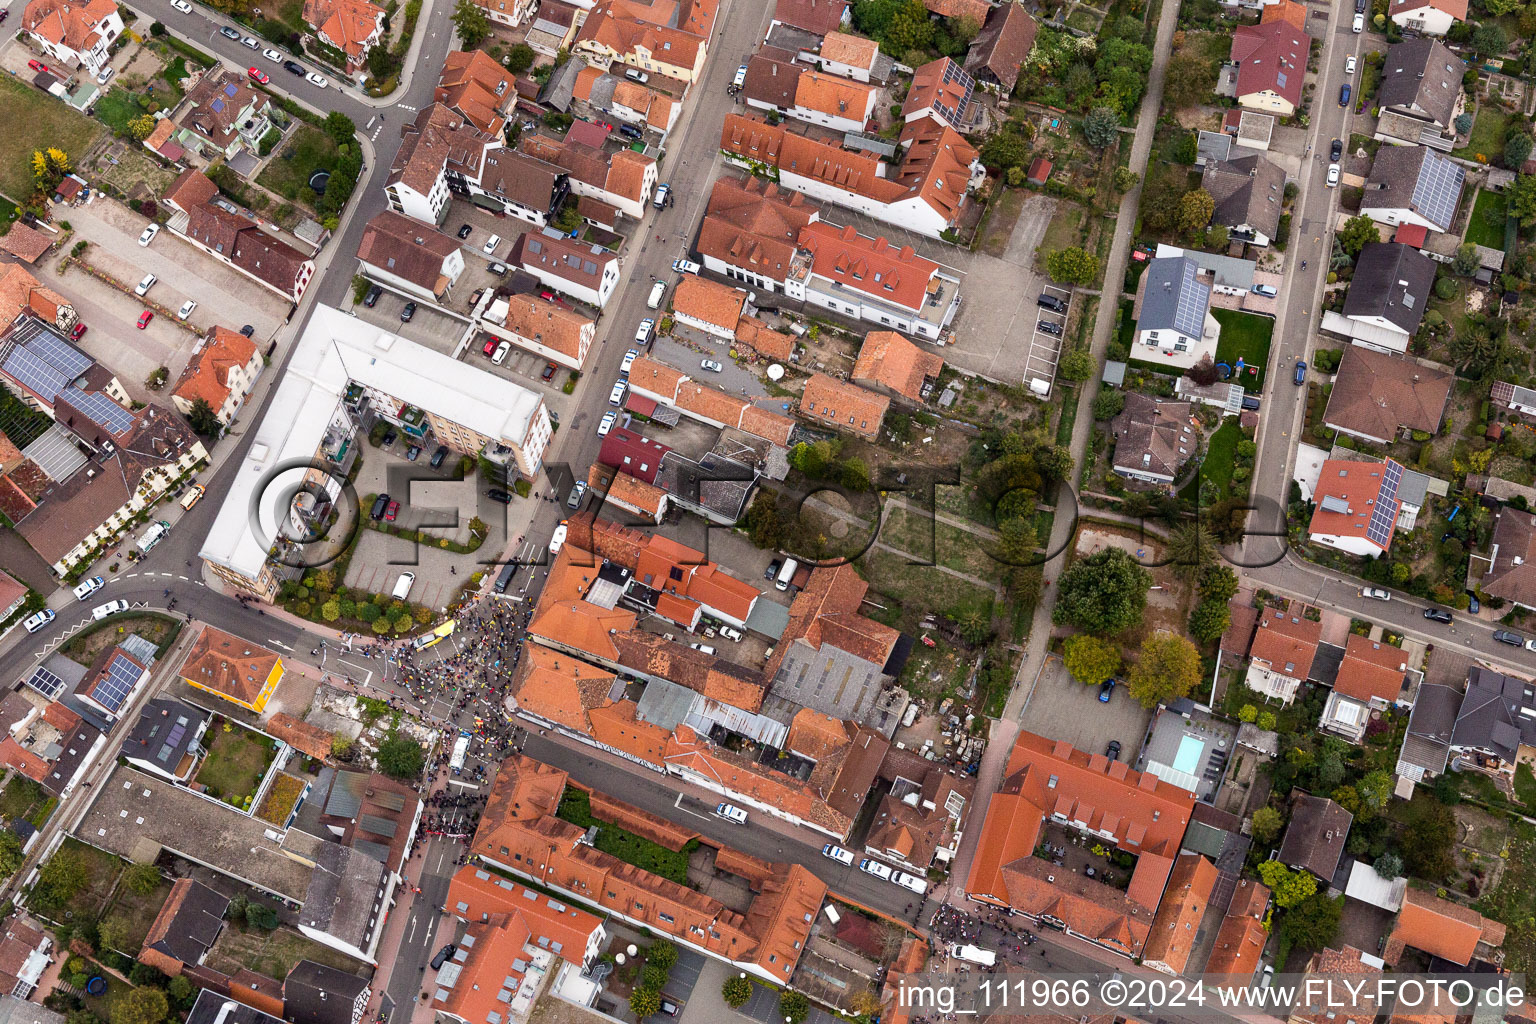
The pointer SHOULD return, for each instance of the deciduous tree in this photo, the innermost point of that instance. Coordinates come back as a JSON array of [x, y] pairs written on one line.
[[1103, 593], [643, 1002], [736, 991], [1167, 667], [401, 757], [1290, 887], [1076, 365], [1313, 923], [1191, 80], [1266, 824], [470, 19], [1195, 210], [1090, 659], [1209, 620], [1356, 232], [1072, 265], [142, 1005]]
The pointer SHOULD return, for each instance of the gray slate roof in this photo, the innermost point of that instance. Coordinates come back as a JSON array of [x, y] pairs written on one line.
[[1428, 742], [1414, 178], [1248, 192], [1490, 717], [163, 733], [1392, 280], [1175, 298], [1316, 836], [1422, 77], [316, 994]]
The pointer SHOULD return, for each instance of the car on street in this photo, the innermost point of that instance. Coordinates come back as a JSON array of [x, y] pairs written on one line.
[[1344, 93], [1333, 175], [1359, 23], [442, 955], [144, 319], [229, 33], [1113, 750], [391, 511], [489, 248], [293, 66], [318, 81], [372, 298], [711, 366], [408, 312], [606, 423], [871, 866], [78, 332], [1375, 593], [1504, 636], [1438, 615], [89, 587], [1301, 372], [1106, 691], [110, 608], [686, 266], [143, 287], [465, 229], [500, 355], [249, 43], [182, 6], [730, 812], [1349, 64], [258, 75], [1335, 150], [663, 196], [629, 360], [272, 55], [33, 623], [643, 332], [497, 494], [658, 293], [548, 373], [740, 77], [148, 234], [557, 539], [616, 393], [910, 882], [186, 309], [577, 493]]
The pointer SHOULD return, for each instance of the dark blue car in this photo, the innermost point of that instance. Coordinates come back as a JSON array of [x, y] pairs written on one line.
[[1344, 95], [1301, 372], [1106, 690]]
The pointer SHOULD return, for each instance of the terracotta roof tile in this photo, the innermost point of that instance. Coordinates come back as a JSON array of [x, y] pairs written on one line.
[[873, 266], [207, 372], [1455, 8], [1239, 944], [75, 25], [845, 406], [1002, 44], [473, 84], [230, 665], [1377, 395], [834, 95], [1172, 938], [714, 303], [1356, 488], [557, 327], [1287, 640], [349, 25], [1271, 58], [25, 242], [888, 360], [1442, 928], [1371, 670], [1291, 12], [854, 51], [192, 188], [815, 16]]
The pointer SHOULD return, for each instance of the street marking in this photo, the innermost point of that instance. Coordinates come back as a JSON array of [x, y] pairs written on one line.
[[679, 805]]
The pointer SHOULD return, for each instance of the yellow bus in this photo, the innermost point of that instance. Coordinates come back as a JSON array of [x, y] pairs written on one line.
[[426, 640]]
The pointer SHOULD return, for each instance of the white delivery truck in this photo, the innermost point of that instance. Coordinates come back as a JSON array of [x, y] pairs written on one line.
[[154, 535], [460, 749], [786, 573]]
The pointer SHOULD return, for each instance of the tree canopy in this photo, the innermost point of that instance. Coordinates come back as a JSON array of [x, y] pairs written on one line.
[[1289, 886], [1090, 659], [1105, 592], [401, 757], [1167, 667], [1356, 232]]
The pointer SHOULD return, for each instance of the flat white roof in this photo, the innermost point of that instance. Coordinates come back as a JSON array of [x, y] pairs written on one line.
[[335, 350]]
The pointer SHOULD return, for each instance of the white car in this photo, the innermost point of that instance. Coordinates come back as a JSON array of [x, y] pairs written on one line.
[[143, 287], [837, 853], [1375, 593], [643, 332], [1530, 645], [318, 81], [182, 6], [110, 608], [730, 812], [606, 423], [149, 234], [711, 366], [89, 587], [1349, 64], [489, 248], [873, 867], [186, 309], [272, 55], [250, 43], [501, 352], [686, 266], [557, 539], [616, 395], [33, 623], [1359, 25], [629, 360], [1333, 175], [741, 76], [731, 633], [105, 76]]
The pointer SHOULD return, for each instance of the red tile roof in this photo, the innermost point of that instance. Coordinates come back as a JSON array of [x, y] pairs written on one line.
[[207, 373], [349, 25], [844, 406], [473, 84], [1358, 486], [1271, 58], [873, 266], [1286, 640], [1240, 943], [1371, 670], [1455, 8], [1441, 928], [69, 23], [1172, 938], [888, 360], [719, 305]]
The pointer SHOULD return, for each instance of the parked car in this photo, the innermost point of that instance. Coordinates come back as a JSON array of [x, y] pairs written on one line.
[[490, 347], [148, 234], [577, 493], [658, 293], [186, 309], [390, 437], [105, 75], [380, 504], [272, 55], [78, 332], [442, 955], [730, 812], [37, 65], [249, 43], [1266, 290], [1251, 403], [489, 248], [629, 360], [497, 494], [229, 33], [143, 287], [372, 298], [293, 66], [408, 312], [439, 455], [1335, 150], [1049, 328], [182, 6], [110, 608], [501, 353], [1301, 372], [1375, 593], [392, 512], [1438, 615], [413, 453], [643, 332], [1051, 303], [1106, 690], [606, 423], [629, 131], [144, 319], [616, 393], [1333, 176], [318, 81], [549, 372], [89, 587], [1359, 23], [1113, 750], [1344, 93], [258, 75], [33, 623], [711, 366], [772, 570], [1504, 636], [1473, 605], [871, 866], [1349, 64], [740, 77], [686, 266], [731, 633]]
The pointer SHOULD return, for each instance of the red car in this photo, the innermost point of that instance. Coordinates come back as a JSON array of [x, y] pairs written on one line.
[[392, 511], [144, 319], [258, 74], [37, 65], [490, 347], [77, 333], [549, 372]]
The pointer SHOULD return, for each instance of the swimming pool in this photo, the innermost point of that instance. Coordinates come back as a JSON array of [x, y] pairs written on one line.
[[1187, 760]]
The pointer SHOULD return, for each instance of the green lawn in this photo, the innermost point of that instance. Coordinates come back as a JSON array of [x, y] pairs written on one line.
[[1487, 136], [1247, 336], [576, 808], [117, 108], [237, 759], [24, 800], [1486, 225], [308, 149], [1220, 453], [45, 118]]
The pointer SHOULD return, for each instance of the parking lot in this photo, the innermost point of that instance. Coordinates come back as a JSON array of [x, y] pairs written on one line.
[[687, 348], [428, 325], [1062, 707], [1044, 344]]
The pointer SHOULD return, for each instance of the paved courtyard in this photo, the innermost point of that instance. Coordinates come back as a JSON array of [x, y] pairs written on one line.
[[1063, 708]]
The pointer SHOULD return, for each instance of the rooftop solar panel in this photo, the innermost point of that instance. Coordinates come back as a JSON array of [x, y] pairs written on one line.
[[104, 412], [119, 679], [36, 375], [46, 683], [1384, 512], [1438, 188]]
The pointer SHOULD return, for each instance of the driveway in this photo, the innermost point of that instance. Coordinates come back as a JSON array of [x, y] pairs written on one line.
[[1064, 708], [687, 348]]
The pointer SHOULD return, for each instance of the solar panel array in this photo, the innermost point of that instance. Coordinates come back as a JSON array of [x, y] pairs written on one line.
[[46, 682], [1194, 299], [46, 363], [119, 679], [1438, 189], [954, 74], [104, 412], [1384, 512], [172, 741]]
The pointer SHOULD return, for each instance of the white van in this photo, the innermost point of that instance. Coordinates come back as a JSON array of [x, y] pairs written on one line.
[[871, 866], [911, 882], [837, 853], [730, 812], [154, 535], [658, 292], [643, 332], [110, 608], [33, 623], [786, 573], [616, 395], [557, 539], [973, 954], [403, 586]]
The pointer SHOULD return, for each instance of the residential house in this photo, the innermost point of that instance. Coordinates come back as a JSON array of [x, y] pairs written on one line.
[[1315, 836], [844, 406], [111, 679], [1249, 192], [1389, 292], [1357, 506], [649, 36], [240, 671], [1284, 647], [1379, 397], [513, 12], [1427, 743], [1371, 678], [239, 242], [554, 24], [925, 193], [975, 10], [873, 280], [1239, 946], [814, 17], [750, 232], [1344, 966], [25, 956], [623, 178], [1450, 931], [167, 739], [941, 89], [778, 346], [893, 365], [847, 56], [1413, 185], [316, 994], [363, 811], [224, 115], [22, 294], [1513, 397], [13, 593], [410, 257], [52, 745], [222, 371], [919, 822], [437, 144], [638, 105], [72, 33], [675, 389], [1051, 781], [1511, 559], [1174, 324], [478, 89], [352, 26], [544, 328], [1431, 17], [629, 493], [185, 929], [1174, 929], [1292, 12], [517, 184], [999, 49], [1421, 79], [1496, 724], [586, 272], [776, 83], [1271, 64], [633, 454], [1153, 439], [709, 306]]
